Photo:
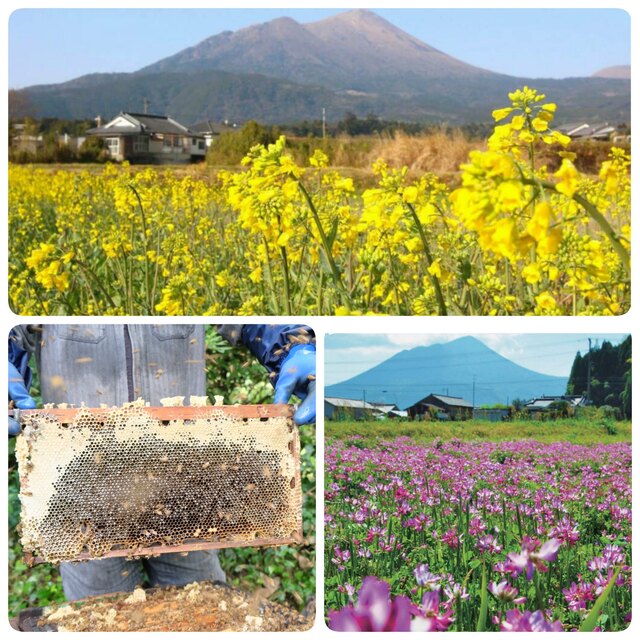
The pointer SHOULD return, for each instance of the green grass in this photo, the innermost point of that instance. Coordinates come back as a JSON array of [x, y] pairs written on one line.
[[574, 430]]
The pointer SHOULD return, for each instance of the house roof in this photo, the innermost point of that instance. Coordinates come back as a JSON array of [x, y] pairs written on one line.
[[453, 401], [142, 123], [350, 403], [586, 130], [207, 127], [545, 401]]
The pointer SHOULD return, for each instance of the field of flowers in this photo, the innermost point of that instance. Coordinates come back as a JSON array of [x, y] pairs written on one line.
[[509, 536], [278, 238]]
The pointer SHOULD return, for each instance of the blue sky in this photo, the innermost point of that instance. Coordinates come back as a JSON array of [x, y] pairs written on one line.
[[346, 355], [54, 45]]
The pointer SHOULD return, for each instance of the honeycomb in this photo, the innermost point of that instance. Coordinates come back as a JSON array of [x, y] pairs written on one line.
[[123, 482]]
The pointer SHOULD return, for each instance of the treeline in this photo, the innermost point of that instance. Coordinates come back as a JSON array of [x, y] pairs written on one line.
[[53, 140], [371, 125], [603, 376]]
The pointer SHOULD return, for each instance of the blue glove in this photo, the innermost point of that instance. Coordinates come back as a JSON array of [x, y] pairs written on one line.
[[297, 377], [19, 393]]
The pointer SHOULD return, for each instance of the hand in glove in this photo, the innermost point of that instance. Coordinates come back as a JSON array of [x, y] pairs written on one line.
[[19, 395], [297, 377]]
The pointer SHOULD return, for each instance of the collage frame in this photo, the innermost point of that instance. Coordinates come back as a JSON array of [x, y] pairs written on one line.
[[324, 326]]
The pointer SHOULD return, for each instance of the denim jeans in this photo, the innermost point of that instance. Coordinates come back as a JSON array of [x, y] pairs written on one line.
[[111, 575]]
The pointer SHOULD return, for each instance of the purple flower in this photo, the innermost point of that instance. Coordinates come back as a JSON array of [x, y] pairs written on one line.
[[451, 538], [429, 617], [577, 595], [374, 610], [566, 531], [528, 560], [505, 592], [454, 590], [487, 544], [425, 578], [527, 621]]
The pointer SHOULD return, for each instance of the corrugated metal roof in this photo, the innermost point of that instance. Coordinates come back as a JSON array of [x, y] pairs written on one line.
[[348, 402], [453, 400]]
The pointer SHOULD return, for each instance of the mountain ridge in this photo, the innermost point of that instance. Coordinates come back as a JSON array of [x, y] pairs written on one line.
[[283, 71], [461, 368]]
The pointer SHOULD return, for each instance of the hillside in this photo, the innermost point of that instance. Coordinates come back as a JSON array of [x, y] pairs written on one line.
[[283, 71], [448, 369]]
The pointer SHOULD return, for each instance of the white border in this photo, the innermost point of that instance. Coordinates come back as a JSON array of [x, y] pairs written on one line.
[[323, 325]]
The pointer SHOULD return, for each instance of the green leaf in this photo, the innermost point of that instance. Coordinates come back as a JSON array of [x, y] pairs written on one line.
[[484, 601], [591, 621]]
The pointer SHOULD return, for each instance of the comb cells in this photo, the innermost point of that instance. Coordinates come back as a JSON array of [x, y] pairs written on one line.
[[123, 482]]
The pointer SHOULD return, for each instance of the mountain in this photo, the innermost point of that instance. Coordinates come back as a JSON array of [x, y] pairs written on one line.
[[621, 72], [448, 369], [351, 51], [283, 71]]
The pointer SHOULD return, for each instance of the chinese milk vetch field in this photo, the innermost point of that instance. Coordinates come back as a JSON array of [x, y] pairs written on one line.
[[468, 536], [512, 238]]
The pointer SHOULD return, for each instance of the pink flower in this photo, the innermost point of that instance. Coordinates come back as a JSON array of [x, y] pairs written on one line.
[[566, 531], [527, 621], [429, 617], [487, 544], [425, 578], [577, 595], [476, 526], [505, 592], [374, 610], [528, 560], [451, 538]]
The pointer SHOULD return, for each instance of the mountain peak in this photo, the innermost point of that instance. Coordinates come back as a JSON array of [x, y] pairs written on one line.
[[464, 367]]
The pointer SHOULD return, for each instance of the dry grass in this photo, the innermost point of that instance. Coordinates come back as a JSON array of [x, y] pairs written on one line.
[[440, 152]]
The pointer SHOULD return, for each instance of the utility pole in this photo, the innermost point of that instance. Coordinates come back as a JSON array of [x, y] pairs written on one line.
[[473, 402], [324, 123], [145, 102], [589, 374]]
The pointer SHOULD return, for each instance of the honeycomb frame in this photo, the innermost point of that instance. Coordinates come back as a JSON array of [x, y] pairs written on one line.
[[139, 481]]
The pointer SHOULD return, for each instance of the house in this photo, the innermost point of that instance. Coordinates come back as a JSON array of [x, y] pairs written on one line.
[[23, 140], [211, 130], [550, 404], [149, 139], [348, 409], [584, 130], [441, 407], [390, 411]]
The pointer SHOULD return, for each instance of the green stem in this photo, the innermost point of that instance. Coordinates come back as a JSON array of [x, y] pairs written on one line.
[[287, 285], [427, 252], [595, 215], [335, 272]]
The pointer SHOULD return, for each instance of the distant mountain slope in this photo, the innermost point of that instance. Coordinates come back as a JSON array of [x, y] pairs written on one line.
[[218, 95], [448, 369], [282, 71], [621, 72], [354, 50]]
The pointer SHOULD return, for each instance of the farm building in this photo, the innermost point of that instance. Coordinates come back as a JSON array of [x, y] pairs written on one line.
[[388, 411], [348, 409], [212, 130], [549, 404], [584, 130], [150, 139], [492, 415], [441, 407]]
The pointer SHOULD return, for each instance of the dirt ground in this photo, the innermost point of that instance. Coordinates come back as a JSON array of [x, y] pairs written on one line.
[[195, 607]]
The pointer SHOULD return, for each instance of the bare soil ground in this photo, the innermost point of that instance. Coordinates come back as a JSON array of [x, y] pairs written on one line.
[[195, 607]]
